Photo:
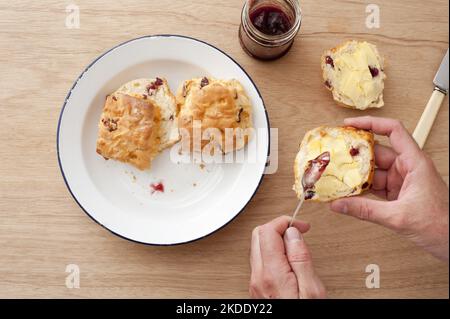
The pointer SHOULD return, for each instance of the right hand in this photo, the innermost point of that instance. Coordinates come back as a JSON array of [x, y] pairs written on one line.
[[281, 263], [417, 203]]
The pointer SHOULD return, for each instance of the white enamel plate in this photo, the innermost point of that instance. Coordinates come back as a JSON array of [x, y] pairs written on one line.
[[197, 199]]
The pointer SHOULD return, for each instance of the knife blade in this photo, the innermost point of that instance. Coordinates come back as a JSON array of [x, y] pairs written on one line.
[[431, 110], [441, 78]]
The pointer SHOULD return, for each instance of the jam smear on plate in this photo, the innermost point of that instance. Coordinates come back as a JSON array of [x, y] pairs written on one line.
[[157, 188]]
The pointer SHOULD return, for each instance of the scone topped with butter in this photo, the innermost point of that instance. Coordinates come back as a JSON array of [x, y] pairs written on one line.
[[351, 167], [354, 73], [219, 107]]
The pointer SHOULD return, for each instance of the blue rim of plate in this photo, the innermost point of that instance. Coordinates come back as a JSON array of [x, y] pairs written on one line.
[[81, 75]]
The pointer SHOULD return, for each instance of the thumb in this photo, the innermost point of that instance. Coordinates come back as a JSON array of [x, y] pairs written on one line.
[[300, 260], [375, 211]]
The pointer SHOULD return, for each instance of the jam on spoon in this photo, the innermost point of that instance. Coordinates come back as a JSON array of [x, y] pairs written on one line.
[[313, 173]]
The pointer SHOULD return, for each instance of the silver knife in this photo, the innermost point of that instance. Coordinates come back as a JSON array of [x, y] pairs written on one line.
[[429, 115]]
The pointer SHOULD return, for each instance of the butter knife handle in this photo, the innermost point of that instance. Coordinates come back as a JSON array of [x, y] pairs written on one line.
[[429, 115]]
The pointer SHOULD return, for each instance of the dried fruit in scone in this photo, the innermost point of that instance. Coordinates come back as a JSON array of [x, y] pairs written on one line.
[[157, 90], [214, 106], [129, 130], [354, 73], [351, 166]]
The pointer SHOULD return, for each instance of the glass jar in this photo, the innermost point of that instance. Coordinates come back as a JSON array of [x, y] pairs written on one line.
[[268, 27]]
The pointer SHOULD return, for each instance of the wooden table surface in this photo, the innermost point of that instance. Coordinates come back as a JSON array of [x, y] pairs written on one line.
[[42, 229]]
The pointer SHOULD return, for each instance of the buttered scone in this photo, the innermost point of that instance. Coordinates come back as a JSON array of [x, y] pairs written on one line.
[[354, 73], [129, 130], [351, 167], [219, 109], [157, 90]]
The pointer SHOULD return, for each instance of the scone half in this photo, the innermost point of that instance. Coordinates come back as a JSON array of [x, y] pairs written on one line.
[[354, 73], [213, 104], [129, 130], [158, 91], [352, 164]]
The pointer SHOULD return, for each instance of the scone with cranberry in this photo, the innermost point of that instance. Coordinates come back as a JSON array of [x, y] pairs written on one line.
[[219, 110], [129, 130], [158, 91], [138, 122], [351, 166], [354, 73]]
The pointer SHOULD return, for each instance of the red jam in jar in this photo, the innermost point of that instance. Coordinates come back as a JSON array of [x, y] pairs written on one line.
[[268, 27], [270, 20]]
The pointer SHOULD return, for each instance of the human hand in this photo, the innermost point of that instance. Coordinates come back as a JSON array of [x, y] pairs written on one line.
[[281, 263], [417, 203]]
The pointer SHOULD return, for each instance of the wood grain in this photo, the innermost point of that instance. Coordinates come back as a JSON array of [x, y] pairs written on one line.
[[42, 229]]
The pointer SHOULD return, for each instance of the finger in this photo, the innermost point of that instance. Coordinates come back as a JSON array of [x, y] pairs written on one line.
[[300, 261], [280, 224], [395, 186], [387, 181], [273, 254], [272, 250], [405, 164], [399, 137], [255, 265], [274, 261], [375, 211], [380, 194], [255, 255], [379, 183], [384, 156]]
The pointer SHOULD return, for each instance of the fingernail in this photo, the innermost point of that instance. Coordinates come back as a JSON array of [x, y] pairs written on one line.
[[292, 234], [340, 207]]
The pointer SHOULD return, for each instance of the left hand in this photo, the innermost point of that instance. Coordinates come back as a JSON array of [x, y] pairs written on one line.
[[281, 263], [414, 196]]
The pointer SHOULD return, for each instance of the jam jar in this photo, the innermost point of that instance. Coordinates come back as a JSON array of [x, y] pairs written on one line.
[[268, 27]]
